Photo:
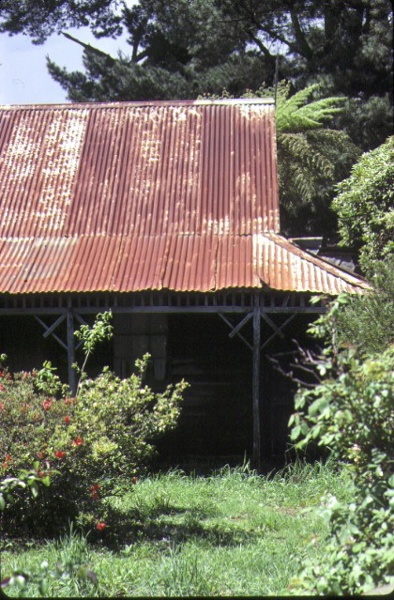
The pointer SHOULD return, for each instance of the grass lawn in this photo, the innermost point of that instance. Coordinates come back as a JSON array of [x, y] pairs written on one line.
[[233, 533]]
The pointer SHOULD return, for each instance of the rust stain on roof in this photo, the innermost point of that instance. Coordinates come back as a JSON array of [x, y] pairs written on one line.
[[155, 195]]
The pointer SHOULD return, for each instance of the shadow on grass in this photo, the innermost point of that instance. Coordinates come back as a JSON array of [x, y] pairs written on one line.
[[171, 524]]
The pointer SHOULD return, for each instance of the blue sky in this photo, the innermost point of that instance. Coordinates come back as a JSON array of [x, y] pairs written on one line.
[[24, 78]]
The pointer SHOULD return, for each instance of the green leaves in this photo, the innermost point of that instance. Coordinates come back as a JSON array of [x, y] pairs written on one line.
[[26, 479], [47, 380], [119, 418], [100, 331], [295, 114], [365, 204], [367, 321], [352, 413], [311, 155], [318, 407]]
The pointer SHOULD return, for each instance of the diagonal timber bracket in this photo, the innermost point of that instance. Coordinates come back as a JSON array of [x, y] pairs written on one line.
[[69, 345], [50, 329], [235, 330], [277, 328]]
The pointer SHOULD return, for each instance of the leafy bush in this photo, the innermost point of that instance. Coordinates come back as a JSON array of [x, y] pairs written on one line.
[[29, 481], [367, 321], [119, 418], [352, 413], [365, 204], [105, 433]]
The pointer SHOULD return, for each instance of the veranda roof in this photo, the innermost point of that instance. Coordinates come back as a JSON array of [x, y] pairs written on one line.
[[141, 196]]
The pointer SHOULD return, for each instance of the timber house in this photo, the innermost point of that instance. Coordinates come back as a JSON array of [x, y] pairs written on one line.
[[167, 213]]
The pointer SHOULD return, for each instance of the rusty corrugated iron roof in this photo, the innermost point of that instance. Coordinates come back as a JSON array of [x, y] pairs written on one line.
[[134, 196]]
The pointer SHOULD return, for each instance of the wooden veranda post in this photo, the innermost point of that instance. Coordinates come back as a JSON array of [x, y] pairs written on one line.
[[72, 380], [256, 384]]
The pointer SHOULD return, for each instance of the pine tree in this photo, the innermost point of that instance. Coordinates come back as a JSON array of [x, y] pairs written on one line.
[[178, 50]]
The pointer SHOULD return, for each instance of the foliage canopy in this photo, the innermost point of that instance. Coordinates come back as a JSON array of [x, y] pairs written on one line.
[[312, 156], [184, 48], [351, 412], [365, 204]]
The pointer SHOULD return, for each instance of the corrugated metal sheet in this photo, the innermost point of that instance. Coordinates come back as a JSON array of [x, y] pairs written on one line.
[[137, 196]]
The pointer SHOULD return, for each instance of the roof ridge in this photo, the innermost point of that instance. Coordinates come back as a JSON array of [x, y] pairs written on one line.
[[126, 103]]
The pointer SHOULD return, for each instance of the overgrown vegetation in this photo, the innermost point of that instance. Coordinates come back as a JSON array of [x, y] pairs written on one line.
[[232, 533], [82, 444], [312, 156], [365, 323], [352, 414], [365, 205]]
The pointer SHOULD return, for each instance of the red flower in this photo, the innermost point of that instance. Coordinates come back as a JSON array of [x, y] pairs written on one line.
[[1, 373], [100, 526], [67, 420], [1, 406], [33, 373], [7, 460], [2, 388], [41, 455], [94, 495], [67, 401], [60, 454], [40, 474], [78, 441], [46, 405]]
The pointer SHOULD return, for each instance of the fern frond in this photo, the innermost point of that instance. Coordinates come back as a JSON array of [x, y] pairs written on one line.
[[296, 114], [301, 151]]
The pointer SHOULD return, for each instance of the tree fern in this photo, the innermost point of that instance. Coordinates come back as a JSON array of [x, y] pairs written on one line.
[[311, 156], [295, 114]]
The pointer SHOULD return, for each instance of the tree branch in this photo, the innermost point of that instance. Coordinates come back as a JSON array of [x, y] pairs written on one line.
[[303, 47], [88, 47], [260, 45]]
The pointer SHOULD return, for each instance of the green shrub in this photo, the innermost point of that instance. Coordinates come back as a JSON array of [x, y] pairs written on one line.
[[26, 482], [106, 433], [119, 418], [353, 415]]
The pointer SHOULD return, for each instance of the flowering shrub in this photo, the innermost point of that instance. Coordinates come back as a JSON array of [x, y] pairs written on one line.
[[28, 420], [116, 420], [105, 433]]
